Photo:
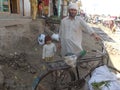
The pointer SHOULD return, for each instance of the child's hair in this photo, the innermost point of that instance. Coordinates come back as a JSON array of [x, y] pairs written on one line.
[[47, 38]]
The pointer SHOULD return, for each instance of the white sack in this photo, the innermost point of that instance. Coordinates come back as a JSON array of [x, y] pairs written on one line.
[[102, 73]]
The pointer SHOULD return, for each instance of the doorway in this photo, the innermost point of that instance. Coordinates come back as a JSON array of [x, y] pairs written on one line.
[[13, 6]]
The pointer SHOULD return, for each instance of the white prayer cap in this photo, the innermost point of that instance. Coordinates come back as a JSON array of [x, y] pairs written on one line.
[[73, 6]]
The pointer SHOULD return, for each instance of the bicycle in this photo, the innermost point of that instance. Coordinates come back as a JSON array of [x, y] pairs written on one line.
[[60, 76]]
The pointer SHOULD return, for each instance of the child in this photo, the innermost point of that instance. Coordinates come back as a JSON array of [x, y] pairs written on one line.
[[49, 49]]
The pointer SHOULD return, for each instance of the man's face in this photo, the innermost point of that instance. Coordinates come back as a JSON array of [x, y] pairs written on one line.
[[72, 12]]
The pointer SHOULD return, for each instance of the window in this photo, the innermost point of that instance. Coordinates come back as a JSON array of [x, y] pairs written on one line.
[[4, 6]]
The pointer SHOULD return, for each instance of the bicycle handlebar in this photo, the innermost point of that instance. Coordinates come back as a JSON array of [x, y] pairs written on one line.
[[61, 64]]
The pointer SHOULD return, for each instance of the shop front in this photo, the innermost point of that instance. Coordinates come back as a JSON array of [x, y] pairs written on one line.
[[10, 6]]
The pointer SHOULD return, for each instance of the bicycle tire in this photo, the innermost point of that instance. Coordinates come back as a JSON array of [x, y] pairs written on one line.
[[50, 82]]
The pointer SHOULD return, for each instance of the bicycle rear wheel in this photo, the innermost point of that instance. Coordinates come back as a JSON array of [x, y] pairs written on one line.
[[57, 80]]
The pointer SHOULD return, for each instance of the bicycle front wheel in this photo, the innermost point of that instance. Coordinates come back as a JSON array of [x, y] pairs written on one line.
[[57, 80]]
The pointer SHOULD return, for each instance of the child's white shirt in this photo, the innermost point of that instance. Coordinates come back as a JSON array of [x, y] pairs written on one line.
[[48, 50]]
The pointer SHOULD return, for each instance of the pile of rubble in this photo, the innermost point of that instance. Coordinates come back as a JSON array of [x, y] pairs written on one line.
[[17, 62]]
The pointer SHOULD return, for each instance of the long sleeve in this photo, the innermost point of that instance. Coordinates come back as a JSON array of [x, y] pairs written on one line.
[[60, 30], [86, 27]]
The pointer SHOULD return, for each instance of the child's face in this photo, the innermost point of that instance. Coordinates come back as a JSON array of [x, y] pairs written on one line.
[[48, 42]]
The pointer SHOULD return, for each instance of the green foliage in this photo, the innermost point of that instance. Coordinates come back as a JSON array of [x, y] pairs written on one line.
[[98, 85]]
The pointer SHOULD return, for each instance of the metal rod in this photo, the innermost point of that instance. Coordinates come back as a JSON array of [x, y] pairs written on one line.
[[77, 73]]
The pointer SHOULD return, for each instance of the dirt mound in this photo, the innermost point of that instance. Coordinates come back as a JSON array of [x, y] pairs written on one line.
[[20, 37], [20, 53]]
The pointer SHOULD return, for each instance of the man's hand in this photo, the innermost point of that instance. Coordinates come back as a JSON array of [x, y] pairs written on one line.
[[97, 37]]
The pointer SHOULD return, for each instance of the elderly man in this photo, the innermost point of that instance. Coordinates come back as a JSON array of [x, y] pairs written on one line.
[[71, 32]]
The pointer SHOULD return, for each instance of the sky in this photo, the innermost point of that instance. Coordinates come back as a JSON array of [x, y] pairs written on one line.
[[106, 7]]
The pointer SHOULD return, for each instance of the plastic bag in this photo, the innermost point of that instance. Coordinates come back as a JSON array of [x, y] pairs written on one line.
[[71, 60], [55, 37], [41, 39]]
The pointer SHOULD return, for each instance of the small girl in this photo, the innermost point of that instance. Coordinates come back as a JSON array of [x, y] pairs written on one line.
[[49, 49]]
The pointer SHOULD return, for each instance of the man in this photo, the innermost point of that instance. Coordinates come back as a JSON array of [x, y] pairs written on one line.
[[71, 32], [34, 8]]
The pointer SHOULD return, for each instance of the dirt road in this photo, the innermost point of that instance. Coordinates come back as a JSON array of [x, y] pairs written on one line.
[[112, 43]]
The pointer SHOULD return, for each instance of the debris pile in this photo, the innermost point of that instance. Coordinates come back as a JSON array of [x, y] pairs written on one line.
[[17, 62]]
